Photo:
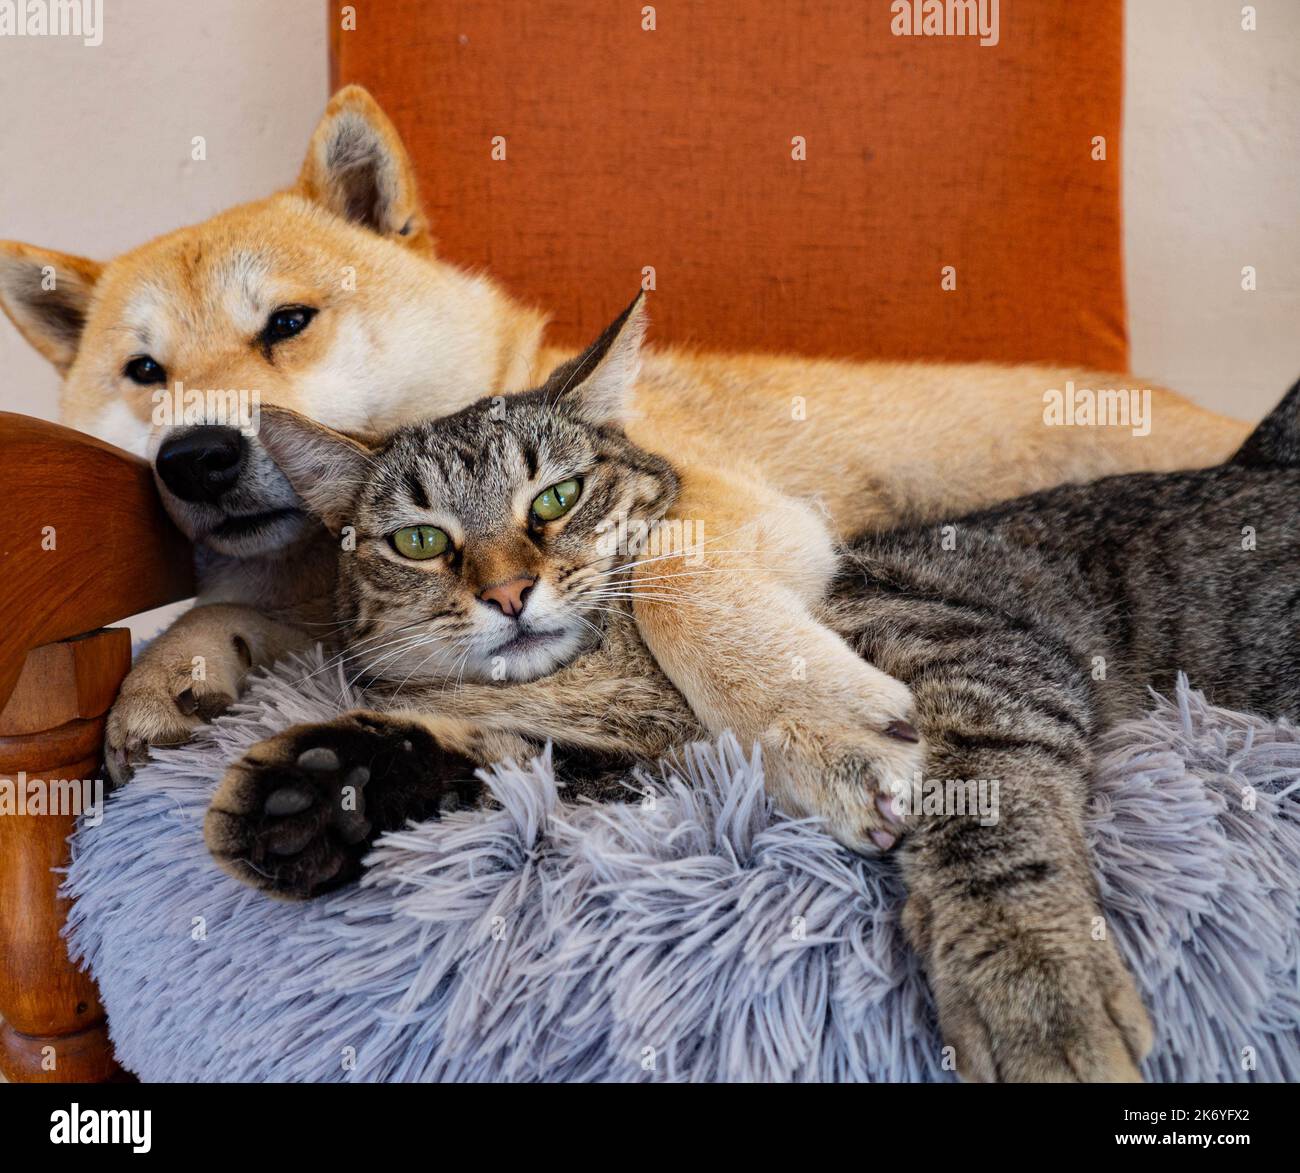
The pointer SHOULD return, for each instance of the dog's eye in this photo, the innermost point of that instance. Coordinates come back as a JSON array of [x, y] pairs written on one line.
[[287, 321], [143, 370]]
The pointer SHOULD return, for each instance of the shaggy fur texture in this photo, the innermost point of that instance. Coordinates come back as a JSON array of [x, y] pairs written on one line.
[[669, 926]]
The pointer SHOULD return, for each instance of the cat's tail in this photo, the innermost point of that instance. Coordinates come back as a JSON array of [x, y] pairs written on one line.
[[1276, 442]]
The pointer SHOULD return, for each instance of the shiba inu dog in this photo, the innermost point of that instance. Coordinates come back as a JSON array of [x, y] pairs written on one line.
[[328, 298]]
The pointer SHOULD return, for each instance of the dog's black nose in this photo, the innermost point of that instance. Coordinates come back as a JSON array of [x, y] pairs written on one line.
[[201, 464]]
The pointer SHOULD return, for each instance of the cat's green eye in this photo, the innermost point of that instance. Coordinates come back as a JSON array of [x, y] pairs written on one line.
[[557, 500], [420, 541]]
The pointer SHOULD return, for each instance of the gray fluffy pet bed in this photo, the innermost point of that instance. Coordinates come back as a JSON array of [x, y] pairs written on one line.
[[695, 936]]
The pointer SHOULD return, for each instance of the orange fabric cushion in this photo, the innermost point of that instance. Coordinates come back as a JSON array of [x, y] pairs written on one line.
[[672, 148]]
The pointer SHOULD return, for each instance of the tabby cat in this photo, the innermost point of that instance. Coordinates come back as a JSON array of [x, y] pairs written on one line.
[[487, 611]]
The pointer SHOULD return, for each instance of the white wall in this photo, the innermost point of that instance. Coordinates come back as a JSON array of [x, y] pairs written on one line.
[[1212, 184], [95, 157], [95, 142]]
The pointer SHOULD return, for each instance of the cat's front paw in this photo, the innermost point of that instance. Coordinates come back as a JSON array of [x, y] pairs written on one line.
[[1027, 1014], [296, 815], [844, 755]]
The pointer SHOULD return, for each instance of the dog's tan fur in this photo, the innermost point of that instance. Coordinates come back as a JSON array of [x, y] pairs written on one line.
[[401, 334]]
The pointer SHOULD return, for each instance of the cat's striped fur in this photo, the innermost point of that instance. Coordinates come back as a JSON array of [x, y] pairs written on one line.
[[1046, 620], [1022, 631]]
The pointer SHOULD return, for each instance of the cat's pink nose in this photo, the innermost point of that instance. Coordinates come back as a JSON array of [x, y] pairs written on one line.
[[509, 596]]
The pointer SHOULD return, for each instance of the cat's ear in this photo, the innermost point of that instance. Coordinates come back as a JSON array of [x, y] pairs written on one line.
[[325, 467], [47, 296], [357, 167], [597, 385]]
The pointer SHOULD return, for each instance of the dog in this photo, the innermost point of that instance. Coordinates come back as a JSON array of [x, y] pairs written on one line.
[[329, 298]]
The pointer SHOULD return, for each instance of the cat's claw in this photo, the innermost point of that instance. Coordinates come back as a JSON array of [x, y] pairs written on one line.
[[849, 779], [159, 706], [903, 731]]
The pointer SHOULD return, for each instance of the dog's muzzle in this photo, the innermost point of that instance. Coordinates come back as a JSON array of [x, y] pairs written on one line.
[[203, 463]]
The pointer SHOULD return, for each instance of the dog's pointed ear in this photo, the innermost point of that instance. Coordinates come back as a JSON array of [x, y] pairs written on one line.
[[325, 467], [597, 385], [357, 167], [47, 296]]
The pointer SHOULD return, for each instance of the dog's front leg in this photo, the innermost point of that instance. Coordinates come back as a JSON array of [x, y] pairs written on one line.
[[728, 616], [189, 674]]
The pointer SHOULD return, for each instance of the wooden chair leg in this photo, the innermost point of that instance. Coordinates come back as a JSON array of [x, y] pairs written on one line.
[[51, 731]]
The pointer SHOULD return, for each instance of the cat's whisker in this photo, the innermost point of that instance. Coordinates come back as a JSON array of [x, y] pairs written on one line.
[[350, 651], [397, 691], [458, 641], [599, 634], [417, 637], [677, 600], [371, 667], [694, 604], [455, 682], [698, 572], [368, 644], [699, 569], [408, 644]]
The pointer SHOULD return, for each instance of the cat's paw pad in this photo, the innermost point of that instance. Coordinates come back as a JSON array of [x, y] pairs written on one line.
[[296, 815]]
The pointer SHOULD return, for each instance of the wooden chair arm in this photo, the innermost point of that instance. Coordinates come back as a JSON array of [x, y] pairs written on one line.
[[83, 542]]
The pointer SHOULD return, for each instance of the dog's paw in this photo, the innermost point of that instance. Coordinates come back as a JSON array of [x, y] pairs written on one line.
[[163, 704], [1018, 1015], [296, 815], [844, 757]]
